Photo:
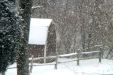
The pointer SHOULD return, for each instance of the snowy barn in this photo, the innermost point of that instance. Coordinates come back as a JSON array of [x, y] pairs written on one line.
[[39, 29]]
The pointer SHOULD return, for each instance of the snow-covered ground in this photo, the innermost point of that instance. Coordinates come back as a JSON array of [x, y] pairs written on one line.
[[87, 67]]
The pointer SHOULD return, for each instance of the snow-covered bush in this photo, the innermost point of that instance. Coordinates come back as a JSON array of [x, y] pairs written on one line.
[[9, 33]]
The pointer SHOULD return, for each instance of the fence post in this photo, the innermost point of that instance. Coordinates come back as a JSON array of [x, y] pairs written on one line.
[[56, 64], [78, 54], [100, 55], [45, 53], [57, 56], [31, 66]]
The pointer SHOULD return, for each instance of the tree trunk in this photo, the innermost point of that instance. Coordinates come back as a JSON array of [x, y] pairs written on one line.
[[22, 60]]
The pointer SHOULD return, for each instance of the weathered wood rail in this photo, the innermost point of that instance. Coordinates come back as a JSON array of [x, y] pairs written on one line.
[[100, 54]]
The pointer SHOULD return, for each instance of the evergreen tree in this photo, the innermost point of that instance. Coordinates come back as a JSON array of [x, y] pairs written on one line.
[[9, 32]]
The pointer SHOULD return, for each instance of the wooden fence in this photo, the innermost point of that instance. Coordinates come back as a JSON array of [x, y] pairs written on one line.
[[78, 54], [100, 55]]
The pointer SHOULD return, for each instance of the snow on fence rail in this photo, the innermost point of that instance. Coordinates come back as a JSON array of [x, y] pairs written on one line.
[[49, 57], [90, 52], [100, 54]]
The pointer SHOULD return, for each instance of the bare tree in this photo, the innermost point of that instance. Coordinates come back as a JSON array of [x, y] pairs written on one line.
[[80, 23]]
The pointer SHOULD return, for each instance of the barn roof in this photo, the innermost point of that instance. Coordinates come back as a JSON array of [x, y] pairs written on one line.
[[38, 30]]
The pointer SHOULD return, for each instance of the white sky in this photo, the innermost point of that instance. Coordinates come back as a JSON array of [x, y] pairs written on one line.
[[38, 30]]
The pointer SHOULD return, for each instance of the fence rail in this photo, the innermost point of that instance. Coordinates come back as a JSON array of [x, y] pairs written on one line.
[[90, 52], [100, 54]]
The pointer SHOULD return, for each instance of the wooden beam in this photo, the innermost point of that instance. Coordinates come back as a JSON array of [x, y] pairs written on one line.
[[90, 52]]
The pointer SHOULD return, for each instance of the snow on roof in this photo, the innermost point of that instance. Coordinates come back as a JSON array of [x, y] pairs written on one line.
[[38, 30]]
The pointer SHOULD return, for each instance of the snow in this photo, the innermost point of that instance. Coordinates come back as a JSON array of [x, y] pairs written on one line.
[[87, 67], [38, 30]]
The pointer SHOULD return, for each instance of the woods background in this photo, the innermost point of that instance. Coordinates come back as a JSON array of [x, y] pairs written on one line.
[[79, 24]]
